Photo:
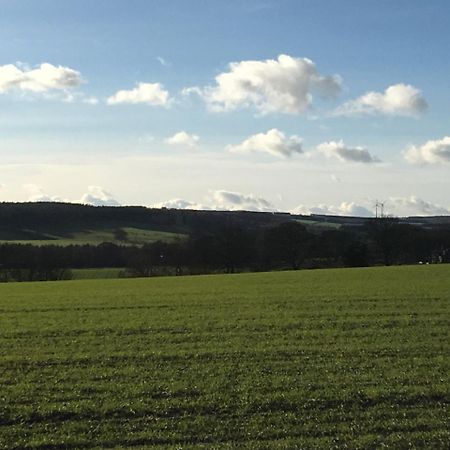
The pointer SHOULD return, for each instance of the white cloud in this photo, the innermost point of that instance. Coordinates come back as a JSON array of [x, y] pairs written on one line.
[[342, 152], [344, 209], [432, 152], [393, 206], [37, 194], [234, 201], [273, 142], [183, 138], [223, 201], [148, 93], [414, 206], [44, 78], [97, 196], [397, 100], [283, 85], [178, 203]]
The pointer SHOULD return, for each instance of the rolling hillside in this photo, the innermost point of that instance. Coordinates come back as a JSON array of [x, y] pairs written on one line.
[[65, 224]]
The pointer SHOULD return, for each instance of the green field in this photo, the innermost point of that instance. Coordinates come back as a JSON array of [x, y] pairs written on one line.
[[135, 236], [343, 358], [97, 274]]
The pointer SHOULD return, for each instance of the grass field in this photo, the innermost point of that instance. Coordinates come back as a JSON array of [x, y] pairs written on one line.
[[343, 358], [135, 236], [97, 274]]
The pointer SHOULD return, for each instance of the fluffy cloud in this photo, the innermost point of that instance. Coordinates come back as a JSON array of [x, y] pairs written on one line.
[[273, 142], [432, 152], [337, 149], [234, 201], [178, 203], [393, 206], [97, 196], [283, 85], [414, 206], [223, 200], [344, 209], [44, 78], [397, 100], [37, 194], [148, 93], [183, 138]]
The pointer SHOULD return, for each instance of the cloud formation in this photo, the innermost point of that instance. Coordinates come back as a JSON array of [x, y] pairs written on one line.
[[234, 201], [432, 152], [393, 206], [44, 78], [274, 142], [38, 194], [397, 100], [342, 152], [414, 206], [221, 200], [183, 138], [344, 209], [98, 196], [285, 85], [152, 94], [179, 203]]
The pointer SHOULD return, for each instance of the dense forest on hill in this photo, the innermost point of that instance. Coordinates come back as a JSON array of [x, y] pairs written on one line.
[[43, 241]]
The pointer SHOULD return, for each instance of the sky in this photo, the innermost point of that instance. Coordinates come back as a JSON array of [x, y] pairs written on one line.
[[306, 106]]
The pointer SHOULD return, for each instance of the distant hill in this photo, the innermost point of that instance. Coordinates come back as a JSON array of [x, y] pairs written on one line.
[[66, 223]]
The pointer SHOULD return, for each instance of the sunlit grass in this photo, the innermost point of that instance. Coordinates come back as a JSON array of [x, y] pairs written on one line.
[[307, 359]]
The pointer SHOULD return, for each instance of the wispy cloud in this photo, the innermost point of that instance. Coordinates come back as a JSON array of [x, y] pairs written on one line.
[[163, 62]]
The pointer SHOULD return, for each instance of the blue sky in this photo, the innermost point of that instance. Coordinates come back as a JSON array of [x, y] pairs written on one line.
[[381, 132]]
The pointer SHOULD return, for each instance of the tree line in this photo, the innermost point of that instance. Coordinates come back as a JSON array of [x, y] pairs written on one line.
[[232, 248]]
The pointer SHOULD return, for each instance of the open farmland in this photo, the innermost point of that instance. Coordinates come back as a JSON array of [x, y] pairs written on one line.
[[344, 358], [134, 236]]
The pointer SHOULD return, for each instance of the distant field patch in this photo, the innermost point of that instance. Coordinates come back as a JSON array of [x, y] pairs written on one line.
[[319, 224], [97, 274], [133, 236], [342, 358]]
